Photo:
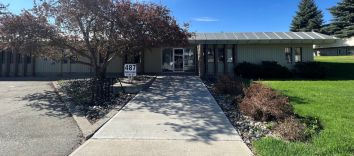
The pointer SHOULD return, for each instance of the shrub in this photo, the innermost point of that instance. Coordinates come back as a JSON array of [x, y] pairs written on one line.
[[268, 69], [312, 70], [228, 85], [264, 103], [271, 69], [248, 70], [291, 129], [270, 125], [313, 125]]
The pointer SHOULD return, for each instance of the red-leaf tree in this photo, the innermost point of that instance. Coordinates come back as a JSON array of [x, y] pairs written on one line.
[[85, 28]]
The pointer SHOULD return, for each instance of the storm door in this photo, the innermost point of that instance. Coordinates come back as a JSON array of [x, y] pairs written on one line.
[[178, 55]]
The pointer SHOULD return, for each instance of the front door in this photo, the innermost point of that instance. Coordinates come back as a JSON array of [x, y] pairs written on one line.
[[178, 55]]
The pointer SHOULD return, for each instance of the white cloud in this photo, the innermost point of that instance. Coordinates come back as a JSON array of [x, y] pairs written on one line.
[[205, 19]]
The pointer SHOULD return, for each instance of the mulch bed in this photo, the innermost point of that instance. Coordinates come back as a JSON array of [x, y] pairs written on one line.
[[96, 110]]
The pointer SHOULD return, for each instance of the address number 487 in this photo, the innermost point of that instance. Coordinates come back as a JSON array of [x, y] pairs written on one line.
[[130, 67]]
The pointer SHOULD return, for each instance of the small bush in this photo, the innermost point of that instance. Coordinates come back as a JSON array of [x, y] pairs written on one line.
[[228, 85], [268, 69], [248, 70], [271, 69], [312, 70], [264, 103], [291, 129], [270, 125], [313, 125]]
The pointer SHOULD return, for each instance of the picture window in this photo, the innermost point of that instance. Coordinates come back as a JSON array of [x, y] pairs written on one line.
[[298, 55], [288, 55]]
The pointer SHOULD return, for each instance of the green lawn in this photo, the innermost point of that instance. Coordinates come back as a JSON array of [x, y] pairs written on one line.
[[330, 100]]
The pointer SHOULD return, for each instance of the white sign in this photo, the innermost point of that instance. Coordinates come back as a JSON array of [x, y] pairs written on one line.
[[130, 70]]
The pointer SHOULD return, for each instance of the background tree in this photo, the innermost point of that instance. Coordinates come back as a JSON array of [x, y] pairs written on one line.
[[326, 29], [86, 28], [308, 18], [343, 18]]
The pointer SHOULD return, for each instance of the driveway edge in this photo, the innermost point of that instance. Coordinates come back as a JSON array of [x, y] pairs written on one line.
[[86, 127]]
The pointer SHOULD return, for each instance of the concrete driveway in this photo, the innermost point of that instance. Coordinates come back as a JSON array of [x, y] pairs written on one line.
[[176, 116], [33, 121]]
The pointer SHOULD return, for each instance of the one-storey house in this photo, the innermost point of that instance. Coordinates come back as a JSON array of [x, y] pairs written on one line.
[[207, 54], [339, 48]]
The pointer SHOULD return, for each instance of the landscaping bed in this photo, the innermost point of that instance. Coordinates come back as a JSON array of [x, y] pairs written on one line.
[[93, 102], [278, 122]]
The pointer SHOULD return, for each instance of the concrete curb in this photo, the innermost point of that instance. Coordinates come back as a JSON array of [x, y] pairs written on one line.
[[86, 127]]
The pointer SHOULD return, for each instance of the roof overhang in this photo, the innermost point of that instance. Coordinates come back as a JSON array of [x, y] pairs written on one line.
[[262, 38]]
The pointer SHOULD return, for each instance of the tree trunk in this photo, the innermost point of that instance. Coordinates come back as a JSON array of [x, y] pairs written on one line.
[[103, 74], [99, 75]]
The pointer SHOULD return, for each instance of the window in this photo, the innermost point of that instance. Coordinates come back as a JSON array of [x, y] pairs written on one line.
[[229, 55], [128, 59], [137, 58], [11, 58], [189, 57], [211, 54], [348, 51], [2, 57], [288, 55], [19, 58], [221, 54], [298, 55], [65, 61], [29, 58], [338, 51]]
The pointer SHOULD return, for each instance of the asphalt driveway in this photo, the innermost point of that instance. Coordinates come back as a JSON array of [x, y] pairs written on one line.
[[33, 121]]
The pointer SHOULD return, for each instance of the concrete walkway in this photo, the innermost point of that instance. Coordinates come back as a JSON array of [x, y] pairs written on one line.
[[176, 116]]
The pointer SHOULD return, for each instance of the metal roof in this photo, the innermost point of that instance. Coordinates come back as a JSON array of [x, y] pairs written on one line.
[[261, 38]]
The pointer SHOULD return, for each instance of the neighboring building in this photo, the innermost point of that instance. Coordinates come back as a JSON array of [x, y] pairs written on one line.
[[207, 54], [341, 47]]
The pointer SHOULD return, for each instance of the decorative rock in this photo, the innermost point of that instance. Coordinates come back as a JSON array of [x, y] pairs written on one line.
[[102, 113], [251, 131], [253, 138], [258, 124], [258, 135], [246, 126]]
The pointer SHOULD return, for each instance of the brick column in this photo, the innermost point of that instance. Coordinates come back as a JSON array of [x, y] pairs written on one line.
[[201, 63], [216, 58], [142, 62], [1, 53], [24, 65], [206, 58], [7, 64], [225, 61], [16, 61], [33, 65], [235, 55], [124, 59]]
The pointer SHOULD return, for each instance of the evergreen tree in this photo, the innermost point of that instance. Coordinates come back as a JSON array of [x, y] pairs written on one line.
[[308, 18], [327, 29], [343, 18]]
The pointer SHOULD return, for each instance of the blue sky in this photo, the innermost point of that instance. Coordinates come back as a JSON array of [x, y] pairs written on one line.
[[225, 15]]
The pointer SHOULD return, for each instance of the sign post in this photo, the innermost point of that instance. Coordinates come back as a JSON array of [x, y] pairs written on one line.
[[130, 71]]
